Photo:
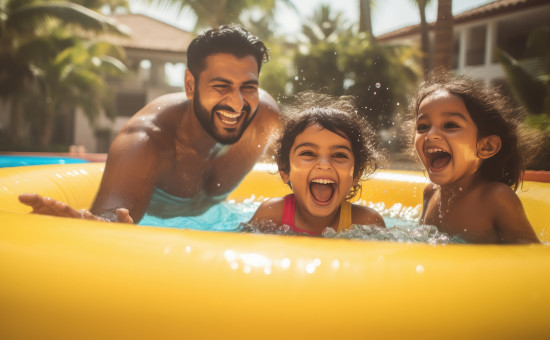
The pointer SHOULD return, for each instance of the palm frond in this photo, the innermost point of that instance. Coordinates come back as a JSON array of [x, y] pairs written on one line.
[[35, 18], [526, 89]]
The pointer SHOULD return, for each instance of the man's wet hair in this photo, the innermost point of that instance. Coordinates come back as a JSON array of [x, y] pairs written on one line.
[[493, 114], [337, 115], [229, 39]]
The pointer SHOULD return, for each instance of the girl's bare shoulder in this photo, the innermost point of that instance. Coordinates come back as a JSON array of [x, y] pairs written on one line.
[[366, 216], [271, 210]]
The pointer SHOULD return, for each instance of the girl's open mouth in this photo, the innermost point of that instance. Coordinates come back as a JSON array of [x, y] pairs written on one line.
[[437, 158], [322, 190]]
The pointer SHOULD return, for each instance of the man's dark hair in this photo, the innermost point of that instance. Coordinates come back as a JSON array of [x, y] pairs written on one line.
[[233, 40]]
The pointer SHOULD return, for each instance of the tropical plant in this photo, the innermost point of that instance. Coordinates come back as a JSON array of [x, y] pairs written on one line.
[[529, 82], [380, 76], [70, 74], [529, 78], [213, 13], [21, 24], [316, 59]]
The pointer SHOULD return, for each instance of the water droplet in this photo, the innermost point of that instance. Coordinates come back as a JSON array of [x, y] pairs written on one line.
[[218, 184], [377, 85]]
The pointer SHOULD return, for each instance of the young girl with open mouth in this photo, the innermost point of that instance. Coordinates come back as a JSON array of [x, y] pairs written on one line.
[[323, 152], [469, 142]]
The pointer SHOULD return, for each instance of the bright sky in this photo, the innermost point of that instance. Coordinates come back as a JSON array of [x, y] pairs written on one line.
[[387, 15]]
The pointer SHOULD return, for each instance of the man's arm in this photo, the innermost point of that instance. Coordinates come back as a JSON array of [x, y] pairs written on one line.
[[49, 206], [127, 184], [130, 175]]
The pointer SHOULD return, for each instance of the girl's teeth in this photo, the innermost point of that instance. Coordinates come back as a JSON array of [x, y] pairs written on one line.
[[435, 150], [323, 181]]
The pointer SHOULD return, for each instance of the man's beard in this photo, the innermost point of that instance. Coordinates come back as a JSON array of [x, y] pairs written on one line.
[[207, 120]]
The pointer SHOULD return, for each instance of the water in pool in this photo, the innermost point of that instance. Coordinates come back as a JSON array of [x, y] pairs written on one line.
[[402, 223]]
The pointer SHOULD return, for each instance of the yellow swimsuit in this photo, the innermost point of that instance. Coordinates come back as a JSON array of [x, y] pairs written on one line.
[[288, 215]]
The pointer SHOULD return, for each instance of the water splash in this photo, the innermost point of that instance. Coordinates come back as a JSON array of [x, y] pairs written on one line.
[[231, 216]]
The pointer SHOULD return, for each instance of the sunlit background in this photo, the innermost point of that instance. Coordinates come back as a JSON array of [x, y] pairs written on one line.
[[72, 73]]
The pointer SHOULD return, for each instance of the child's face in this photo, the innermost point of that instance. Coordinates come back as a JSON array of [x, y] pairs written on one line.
[[446, 138], [321, 170]]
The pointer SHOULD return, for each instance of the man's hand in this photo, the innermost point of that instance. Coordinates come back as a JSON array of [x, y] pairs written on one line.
[[49, 206]]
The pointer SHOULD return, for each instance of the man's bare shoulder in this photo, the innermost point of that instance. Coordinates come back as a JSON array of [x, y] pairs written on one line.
[[268, 110], [158, 119]]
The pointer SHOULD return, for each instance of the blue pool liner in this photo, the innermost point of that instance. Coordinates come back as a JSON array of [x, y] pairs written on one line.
[[8, 161]]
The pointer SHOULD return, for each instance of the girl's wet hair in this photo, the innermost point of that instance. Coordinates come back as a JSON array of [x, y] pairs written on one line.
[[229, 39], [337, 115], [493, 114]]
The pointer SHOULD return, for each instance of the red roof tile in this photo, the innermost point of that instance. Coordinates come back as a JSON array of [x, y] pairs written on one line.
[[152, 34], [498, 7]]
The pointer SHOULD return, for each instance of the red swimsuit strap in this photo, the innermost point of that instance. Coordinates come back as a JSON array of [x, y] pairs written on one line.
[[288, 210], [289, 206]]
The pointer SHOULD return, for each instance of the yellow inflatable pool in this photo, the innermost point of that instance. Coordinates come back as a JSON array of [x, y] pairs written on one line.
[[72, 279]]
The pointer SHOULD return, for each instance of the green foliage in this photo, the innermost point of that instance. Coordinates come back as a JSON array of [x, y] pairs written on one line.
[[540, 122], [213, 13], [275, 74], [318, 70], [338, 61], [48, 56], [381, 76], [529, 82], [529, 78]]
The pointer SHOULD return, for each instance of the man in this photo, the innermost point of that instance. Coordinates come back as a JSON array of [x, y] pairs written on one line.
[[184, 152]]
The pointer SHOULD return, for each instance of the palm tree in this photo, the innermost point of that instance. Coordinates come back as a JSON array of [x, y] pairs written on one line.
[[365, 18], [316, 61], [529, 78], [424, 37], [529, 83], [324, 25], [72, 77], [380, 76], [213, 13], [443, 44], [21, 23]]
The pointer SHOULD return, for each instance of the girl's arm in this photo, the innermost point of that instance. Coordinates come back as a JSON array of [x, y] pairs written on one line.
[[429, 190], [511, 222]]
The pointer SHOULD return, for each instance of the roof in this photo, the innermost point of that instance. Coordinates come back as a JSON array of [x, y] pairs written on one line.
[[153, 35], [495, 8]]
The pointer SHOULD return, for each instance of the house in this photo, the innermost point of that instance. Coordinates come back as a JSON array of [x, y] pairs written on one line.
[[503, 24], [154, 51]]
